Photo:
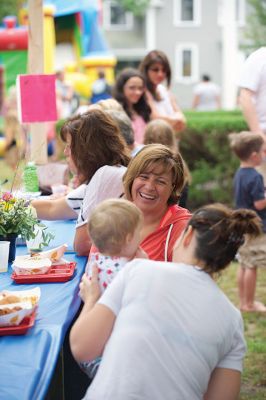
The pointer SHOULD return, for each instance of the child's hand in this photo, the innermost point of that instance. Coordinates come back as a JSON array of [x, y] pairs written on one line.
[[140, 253], [89, 287]]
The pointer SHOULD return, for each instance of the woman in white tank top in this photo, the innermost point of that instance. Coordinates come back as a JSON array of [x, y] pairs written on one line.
[[156, 69]]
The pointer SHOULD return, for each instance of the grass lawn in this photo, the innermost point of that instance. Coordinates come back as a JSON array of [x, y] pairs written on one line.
[[254, 375]]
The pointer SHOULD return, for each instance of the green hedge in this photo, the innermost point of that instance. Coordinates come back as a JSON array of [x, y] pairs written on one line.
[[205, 147]]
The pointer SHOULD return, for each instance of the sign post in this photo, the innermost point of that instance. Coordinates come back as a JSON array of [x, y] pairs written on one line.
[[38, 147]]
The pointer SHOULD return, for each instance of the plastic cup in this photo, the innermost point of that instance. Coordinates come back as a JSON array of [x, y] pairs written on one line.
[[4, 252], [59, 190]]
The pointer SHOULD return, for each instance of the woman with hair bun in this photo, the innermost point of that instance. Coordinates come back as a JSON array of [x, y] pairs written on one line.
[[166, 330]]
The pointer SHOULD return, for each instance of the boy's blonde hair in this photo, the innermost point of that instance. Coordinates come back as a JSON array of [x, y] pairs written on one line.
[[110, 104], [245, 143], [159, 131], [110, 223]]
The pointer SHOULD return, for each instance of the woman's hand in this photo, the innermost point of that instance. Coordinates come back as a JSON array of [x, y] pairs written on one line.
[[178, 121], [90, 290]]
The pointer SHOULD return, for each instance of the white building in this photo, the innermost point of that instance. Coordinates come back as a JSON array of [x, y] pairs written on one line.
[[198, 36]]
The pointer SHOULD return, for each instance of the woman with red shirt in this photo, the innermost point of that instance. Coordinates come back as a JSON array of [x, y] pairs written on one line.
[[153, 182]]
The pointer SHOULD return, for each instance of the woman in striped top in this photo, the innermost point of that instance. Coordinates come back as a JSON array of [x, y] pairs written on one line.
[[97, 153]]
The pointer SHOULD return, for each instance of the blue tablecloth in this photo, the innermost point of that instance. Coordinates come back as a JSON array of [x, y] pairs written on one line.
[[63, 232], [27, 362]]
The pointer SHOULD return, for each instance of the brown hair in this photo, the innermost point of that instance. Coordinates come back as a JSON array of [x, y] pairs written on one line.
[[220, 232], [110, 223], [156, 154], [141, 107], [95, 141], [125, 126], [153, 57], [159, 131], [245, 143]]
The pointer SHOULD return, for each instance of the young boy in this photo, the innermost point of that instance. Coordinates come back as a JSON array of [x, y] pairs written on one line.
[[249, 192], [114, 227]]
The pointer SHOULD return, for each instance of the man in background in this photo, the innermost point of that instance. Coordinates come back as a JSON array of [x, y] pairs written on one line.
[[206, 95]]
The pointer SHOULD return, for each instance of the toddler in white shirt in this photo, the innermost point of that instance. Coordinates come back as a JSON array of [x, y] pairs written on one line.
[[114, 228]]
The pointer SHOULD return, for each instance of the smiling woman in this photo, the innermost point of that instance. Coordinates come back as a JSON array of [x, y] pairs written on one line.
[[153, 182], [129, 91]]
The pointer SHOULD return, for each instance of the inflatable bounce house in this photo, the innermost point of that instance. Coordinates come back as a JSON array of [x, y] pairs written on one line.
[[73, 43]]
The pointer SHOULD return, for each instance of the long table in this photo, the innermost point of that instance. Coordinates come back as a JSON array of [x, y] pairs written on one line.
[[27, 362]]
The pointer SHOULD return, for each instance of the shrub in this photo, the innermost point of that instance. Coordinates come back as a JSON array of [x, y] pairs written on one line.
[[205, 147]]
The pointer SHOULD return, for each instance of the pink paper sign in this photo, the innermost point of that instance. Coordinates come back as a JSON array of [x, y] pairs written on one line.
[[36, 98]]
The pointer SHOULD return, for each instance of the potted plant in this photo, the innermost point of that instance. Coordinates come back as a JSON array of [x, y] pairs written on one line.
[[17, 217]]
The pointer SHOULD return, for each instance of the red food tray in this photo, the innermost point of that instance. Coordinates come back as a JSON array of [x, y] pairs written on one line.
[[58, 273], [20, 329]]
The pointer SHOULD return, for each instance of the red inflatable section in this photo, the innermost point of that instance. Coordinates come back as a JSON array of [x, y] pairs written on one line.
[[12, 37]]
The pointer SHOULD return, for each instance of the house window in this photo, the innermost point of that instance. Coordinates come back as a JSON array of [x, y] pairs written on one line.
[[187, 12], [115, 17], [187, 63], [240, 12]]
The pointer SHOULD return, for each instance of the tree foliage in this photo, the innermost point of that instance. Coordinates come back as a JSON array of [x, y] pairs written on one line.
[[8, 7], [256, 24], [137, 7]]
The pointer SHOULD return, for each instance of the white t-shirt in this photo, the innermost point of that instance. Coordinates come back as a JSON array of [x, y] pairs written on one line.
[[174, 326], [106, 183], [75, 198], [253, 77], [208, 93]]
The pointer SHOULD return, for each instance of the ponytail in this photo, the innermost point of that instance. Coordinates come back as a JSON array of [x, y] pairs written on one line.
[[220, 232]]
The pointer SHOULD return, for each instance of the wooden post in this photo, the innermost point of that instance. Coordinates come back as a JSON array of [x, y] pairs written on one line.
[[38, 148]]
